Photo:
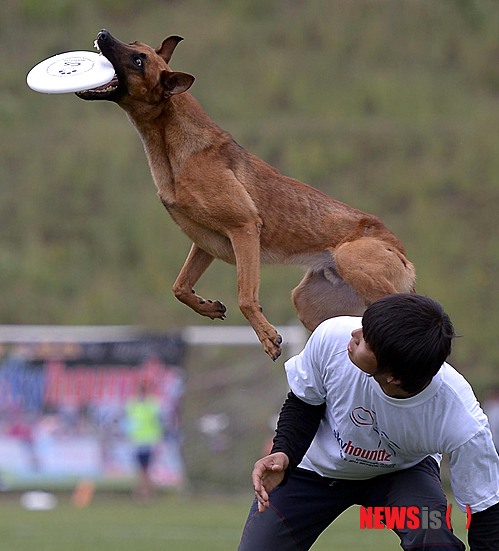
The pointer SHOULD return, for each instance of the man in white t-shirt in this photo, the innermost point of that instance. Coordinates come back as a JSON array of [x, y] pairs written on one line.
[[372, 408]]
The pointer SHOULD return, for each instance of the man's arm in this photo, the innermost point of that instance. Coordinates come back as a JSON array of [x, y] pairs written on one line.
[[483, 534], [296, 428], [474, 476]]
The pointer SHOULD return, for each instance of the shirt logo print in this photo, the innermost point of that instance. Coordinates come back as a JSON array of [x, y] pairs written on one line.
[[362, 417]]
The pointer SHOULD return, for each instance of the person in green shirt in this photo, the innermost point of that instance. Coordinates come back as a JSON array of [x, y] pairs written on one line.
[[145, 431]]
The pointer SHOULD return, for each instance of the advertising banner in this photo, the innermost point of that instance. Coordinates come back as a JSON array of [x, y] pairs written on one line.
[[63, 404]]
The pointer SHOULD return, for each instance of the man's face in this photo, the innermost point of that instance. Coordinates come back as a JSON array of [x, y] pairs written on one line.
[[360, 354]]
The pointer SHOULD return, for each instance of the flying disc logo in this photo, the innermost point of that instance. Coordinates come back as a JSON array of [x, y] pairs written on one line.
[[411, 518], [70, 66]]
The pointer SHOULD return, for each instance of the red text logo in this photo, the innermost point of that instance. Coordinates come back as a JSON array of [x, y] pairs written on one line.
[[411, 518]]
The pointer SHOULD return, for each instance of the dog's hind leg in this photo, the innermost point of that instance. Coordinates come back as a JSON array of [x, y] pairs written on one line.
[[194, 266], [374, 268], [321, 295]]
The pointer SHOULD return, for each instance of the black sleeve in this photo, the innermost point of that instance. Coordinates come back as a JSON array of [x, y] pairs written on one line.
[[296, 428], [483, 534]]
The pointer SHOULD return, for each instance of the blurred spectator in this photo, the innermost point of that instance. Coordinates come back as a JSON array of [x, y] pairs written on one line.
[[145, 431]]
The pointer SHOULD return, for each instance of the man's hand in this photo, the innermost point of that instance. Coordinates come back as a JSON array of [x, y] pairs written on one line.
[[268, 473]]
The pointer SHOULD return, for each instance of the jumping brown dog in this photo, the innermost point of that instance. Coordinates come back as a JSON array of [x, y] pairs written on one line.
[[237, 208]]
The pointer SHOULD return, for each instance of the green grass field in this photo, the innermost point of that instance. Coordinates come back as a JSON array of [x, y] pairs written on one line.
[[173, 523]]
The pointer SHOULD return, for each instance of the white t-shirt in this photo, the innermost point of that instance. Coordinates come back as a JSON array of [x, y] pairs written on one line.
[[366, 433]]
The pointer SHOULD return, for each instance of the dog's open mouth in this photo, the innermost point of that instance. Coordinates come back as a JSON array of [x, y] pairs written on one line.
[[104, 90], [108, 91]]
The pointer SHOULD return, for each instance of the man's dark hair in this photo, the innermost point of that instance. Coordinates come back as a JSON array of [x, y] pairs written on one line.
[[411, 337]]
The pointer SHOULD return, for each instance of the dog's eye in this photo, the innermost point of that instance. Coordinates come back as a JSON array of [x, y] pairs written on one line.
[[138, 61]]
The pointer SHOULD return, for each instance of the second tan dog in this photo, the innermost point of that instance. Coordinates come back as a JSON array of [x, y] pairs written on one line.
[[237, 208]]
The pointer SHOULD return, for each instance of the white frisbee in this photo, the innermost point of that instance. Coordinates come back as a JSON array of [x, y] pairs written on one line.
[[70, 72]]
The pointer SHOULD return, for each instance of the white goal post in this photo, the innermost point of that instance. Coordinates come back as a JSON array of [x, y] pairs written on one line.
[[294, 336]]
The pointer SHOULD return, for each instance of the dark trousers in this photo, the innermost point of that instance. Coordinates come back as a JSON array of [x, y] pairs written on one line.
[[308, 503]]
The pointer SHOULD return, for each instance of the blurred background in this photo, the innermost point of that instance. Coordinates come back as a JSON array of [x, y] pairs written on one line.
[[391, 106]]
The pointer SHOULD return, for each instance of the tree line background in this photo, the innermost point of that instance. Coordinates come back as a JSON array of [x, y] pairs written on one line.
[[391, 106]]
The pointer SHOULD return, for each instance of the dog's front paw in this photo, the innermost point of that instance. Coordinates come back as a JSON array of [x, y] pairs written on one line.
[[273, 347]]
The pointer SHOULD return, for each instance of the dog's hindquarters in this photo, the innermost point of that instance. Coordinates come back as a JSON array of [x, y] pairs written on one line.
[[375, 268], [361, 271]]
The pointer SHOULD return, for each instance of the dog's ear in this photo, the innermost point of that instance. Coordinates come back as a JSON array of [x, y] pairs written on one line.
[[168, 46], [175, 82]]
